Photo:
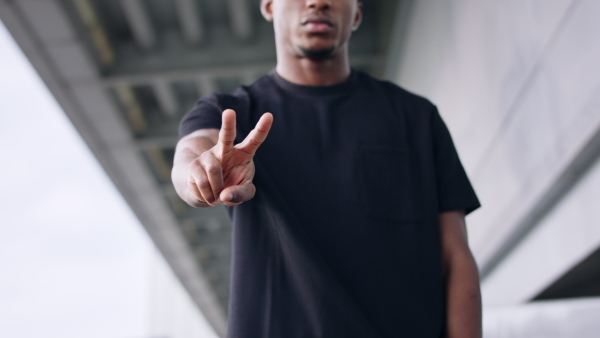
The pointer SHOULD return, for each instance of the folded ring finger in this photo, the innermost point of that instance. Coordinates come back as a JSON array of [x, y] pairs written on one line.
[[204, 187]]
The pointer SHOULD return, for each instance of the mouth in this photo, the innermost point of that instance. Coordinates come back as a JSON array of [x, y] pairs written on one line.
[[317, 24]]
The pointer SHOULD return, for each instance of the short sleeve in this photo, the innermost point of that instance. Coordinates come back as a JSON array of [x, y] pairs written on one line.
[[204, 115], [455, 191]]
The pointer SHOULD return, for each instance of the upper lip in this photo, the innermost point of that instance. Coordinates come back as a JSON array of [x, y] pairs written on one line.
[[317, 19]]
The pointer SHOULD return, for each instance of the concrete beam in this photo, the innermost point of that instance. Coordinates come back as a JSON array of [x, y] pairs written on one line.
[[206, 85], [397, 39], [191, 22], [139, 22], [240, 18], [162, 142], [165, 97], [96, 32], [200, 73]]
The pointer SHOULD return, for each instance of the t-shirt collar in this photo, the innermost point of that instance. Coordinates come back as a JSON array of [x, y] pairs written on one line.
[[336, 89]]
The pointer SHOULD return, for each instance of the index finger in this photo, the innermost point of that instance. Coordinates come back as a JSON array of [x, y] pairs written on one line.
[[258, 135], [227, 132]]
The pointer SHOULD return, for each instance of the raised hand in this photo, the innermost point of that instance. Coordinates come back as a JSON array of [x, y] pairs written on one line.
[[224, 173]]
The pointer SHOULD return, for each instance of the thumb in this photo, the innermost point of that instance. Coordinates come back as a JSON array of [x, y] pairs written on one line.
[[237, 194]]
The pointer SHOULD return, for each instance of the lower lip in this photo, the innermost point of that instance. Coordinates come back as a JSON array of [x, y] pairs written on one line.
[[317, 27]]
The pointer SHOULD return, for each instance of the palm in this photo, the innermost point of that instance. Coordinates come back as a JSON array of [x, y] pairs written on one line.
[[238, 167]]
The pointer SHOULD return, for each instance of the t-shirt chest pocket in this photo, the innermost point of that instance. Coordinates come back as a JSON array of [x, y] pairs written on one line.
[[386, 183]]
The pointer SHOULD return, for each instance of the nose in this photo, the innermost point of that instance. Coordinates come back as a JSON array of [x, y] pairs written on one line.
[[318, 4]]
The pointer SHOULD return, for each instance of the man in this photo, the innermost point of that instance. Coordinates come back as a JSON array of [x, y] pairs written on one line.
[[349, 219]]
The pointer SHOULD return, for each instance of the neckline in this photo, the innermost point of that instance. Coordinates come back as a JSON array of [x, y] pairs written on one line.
[[335, 89]]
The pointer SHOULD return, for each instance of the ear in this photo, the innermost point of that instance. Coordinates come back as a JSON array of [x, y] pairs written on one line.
[[357, 16], [266, 10]]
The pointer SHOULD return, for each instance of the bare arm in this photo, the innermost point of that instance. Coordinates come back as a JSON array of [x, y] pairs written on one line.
[[463, 297], [209, 169]]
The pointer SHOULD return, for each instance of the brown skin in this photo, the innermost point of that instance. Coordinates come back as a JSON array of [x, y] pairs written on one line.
[[312, 49], [208, 169], [463, 297], [293, 34]]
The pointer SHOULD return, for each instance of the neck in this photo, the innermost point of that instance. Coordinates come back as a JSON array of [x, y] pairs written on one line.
[[309, 72]]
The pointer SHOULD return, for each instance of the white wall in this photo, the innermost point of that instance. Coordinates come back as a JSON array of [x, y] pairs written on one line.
[[173, 313], [567, 235], [556, 319], [518, 83]]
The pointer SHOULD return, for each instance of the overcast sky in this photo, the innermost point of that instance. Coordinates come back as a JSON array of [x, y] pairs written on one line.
[[74, 260]]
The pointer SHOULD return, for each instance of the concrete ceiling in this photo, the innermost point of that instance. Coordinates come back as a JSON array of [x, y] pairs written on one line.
[[125, 72]]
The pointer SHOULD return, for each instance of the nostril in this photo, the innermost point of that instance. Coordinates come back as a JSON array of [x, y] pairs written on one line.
[[320, 5]]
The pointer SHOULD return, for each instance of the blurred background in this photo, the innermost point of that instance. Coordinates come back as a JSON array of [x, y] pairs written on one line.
[[95, 242]]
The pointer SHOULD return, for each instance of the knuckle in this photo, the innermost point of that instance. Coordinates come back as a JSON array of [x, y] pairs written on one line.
[[246, 193], [194, 166], [250, 193], [192, 185], [204, 157], [213, 169], [204, 185], [196, 199], [193, 190], [226, 142]]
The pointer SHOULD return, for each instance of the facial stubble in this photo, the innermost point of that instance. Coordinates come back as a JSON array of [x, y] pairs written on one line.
[[318, 54]]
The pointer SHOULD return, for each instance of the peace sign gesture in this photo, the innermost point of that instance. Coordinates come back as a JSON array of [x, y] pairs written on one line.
[[224, 173]]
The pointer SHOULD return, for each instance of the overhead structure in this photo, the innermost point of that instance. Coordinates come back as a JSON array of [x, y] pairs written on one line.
[[519, 92], [192, 24], [125, 72], [139, 23], [240, 18]]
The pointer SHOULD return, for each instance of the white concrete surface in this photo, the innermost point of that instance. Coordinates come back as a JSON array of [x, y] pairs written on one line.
[[555, 319], [563, 238], [518, 84]]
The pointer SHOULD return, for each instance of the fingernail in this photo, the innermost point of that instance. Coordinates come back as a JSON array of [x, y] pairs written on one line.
[[229, 197]]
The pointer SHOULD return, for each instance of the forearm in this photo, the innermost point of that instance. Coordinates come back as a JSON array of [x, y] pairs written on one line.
[[188, 149], [463, 298]]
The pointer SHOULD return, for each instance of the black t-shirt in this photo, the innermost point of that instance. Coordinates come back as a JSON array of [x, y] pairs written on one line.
[[342, 237]]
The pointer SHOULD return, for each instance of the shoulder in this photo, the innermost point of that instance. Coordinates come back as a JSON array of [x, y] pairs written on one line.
[[407, 98], [416, 109], [222, 101], [239, 99], [206, 112]]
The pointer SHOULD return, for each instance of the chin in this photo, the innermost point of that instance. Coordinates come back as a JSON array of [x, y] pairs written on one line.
[[317, 53]]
